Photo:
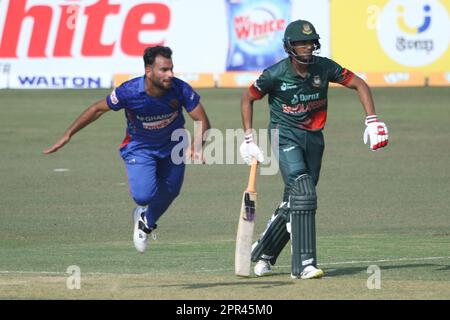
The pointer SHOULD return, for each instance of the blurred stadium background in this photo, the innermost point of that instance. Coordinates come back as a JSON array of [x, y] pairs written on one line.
[[98, 44]]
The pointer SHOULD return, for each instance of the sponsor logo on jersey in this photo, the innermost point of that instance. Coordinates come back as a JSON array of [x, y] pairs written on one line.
[[153, 123], [174, 103], [317, 82], [304, 107], [304, 97], [286, 86]]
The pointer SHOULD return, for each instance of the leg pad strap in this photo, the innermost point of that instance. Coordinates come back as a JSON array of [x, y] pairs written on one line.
[[274, 238]]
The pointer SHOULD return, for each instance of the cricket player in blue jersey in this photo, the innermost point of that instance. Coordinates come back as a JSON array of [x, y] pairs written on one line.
[[153, 106]]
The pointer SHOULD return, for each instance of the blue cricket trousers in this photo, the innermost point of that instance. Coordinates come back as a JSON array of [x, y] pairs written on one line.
[[154, 180]]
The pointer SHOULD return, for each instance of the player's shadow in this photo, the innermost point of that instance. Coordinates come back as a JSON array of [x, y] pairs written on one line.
[[259, 284], [444, 268], [336, 272]]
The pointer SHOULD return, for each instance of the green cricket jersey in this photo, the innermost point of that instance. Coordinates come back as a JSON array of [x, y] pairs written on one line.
[[295, 101]]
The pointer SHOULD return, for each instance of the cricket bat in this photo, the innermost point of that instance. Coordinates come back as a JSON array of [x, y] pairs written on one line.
[[242, 259]]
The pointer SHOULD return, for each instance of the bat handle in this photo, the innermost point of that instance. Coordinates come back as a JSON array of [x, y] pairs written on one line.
[[252, 176]]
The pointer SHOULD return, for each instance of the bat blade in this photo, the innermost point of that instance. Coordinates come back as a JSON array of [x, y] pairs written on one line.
[[245, 234]]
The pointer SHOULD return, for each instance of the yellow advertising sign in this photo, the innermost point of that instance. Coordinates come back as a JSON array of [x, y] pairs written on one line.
[[236, 79], [441, 79], [391, 35]]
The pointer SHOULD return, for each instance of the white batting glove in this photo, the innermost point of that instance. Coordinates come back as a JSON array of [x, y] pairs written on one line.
[[249, 150], [376, 133]]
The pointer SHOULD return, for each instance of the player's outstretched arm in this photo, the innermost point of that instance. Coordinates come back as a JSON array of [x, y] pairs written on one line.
[[89, 115], [248, 148], [376, 132], [199, 115], [247, 111], [364, 93]]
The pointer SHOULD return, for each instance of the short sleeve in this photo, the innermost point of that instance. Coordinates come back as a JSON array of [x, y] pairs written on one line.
[[116, 99], [190, 97], [339, 74], [261, 86]]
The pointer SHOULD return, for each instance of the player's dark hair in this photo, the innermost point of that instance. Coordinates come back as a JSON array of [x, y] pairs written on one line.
[[151, 53]]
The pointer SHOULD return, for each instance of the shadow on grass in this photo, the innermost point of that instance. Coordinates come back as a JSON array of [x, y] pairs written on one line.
[[259, 284], [267, 284], [444, 268], [355, 270]]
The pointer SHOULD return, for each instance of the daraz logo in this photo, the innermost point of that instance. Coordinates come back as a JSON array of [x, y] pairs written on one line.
[[414, 30]]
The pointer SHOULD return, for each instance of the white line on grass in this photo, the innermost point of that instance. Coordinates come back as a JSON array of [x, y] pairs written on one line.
[[225, 269]]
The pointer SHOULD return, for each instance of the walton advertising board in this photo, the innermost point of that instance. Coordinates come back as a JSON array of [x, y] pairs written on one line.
[[82, 43], [391, 35]]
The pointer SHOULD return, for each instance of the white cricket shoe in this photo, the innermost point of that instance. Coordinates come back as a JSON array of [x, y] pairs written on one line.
[[263, 268], [141, 229], [310, 272]]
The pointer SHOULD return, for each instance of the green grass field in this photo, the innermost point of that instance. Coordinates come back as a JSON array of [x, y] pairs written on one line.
[[389, 208]]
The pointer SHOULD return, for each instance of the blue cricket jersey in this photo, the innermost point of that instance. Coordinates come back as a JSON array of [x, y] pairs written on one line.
[[151, 120]]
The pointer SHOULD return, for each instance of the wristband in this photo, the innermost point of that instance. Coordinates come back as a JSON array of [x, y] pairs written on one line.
[[371, 119], [248, 138]]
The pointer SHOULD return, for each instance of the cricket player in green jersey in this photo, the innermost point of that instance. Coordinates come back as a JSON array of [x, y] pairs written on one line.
[[297, 89]]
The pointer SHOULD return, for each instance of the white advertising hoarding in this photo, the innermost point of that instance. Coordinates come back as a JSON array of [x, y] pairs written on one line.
[[59, 43], [72, 80]]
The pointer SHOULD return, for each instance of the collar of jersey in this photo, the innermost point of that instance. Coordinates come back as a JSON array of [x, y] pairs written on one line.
[[142, 84], [142, 88], [294, 73]]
